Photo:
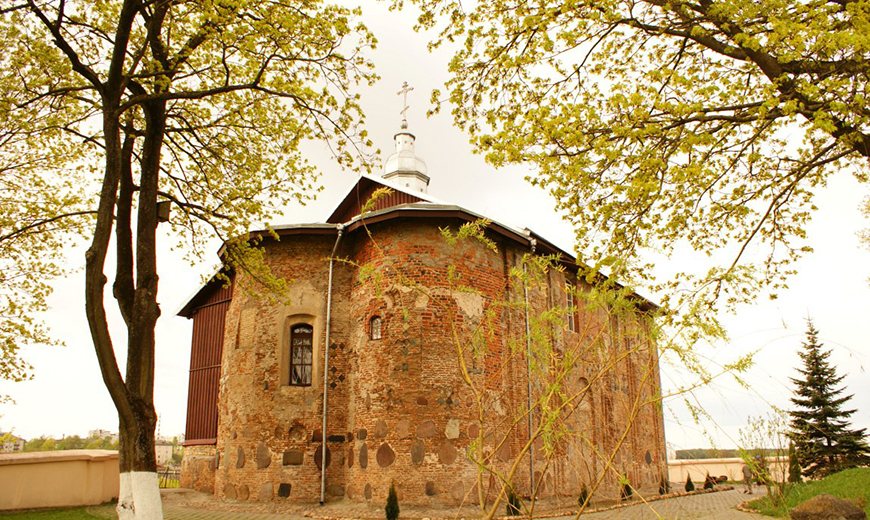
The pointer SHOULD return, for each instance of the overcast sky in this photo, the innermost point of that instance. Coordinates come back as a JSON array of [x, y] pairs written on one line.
[[66, 395]]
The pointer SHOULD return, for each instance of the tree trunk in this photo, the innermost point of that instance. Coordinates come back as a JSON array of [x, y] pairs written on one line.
[[139, 497], [135, 290]]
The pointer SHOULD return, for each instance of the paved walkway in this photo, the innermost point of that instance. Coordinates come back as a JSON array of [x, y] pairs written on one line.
[[708, 506], [720, 505]]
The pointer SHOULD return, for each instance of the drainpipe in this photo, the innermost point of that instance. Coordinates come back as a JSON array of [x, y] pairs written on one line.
[[532, 244], [323, 446]]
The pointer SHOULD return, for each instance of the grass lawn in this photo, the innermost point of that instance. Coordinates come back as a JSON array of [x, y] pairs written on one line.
[[66, 513], [852, 485]]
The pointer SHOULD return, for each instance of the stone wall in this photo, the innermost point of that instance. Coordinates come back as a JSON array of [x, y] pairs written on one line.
[[399, 410], [198, 468], [63, 478]]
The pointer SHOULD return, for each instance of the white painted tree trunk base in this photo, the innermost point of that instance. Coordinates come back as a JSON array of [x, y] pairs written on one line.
[[139, 496]]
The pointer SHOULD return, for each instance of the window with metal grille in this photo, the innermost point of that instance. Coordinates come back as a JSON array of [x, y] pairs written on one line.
[[300, 355]]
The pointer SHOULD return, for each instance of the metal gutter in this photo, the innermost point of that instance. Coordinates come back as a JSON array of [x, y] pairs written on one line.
[[532, 244], [340, 228]]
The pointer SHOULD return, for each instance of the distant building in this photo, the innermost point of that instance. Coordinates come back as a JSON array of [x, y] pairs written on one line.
[[163, 452], [103, 434], [10, 443]]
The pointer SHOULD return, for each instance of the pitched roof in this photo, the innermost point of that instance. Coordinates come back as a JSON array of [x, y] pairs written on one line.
[[352, 204], [402, 202]]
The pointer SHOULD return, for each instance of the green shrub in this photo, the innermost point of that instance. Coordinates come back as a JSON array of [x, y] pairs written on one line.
[[794, 467], [392, 508], [584, 497], [513, 503], [709, 482], [689, 485], [625, 493], [664, 486]]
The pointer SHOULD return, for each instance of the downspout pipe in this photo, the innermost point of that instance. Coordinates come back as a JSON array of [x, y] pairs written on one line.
[[532, 244], [323, 447]]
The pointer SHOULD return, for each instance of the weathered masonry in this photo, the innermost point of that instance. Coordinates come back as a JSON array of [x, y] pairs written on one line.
[[371, 336]]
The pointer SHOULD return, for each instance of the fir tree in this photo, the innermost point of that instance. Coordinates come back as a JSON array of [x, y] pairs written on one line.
[[820, 426], [392, 507], [794, 467], [690, 486]]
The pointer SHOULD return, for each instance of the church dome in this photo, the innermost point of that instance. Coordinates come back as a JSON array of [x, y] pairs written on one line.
[[403, 166]]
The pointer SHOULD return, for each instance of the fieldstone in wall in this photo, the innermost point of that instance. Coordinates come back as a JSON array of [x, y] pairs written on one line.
[[230, 491], [318, 456], [431, 490], [364, 456], [240, 458], [380, 429], [266, 492], [504, 452], [385, 455], [403, 429], [367, 492], [418, 452], [451, 431], [264, 458], [293, 458], [446, 453], [335, 490], [362, 434], [457, 491], [244, 492], [425, 430]]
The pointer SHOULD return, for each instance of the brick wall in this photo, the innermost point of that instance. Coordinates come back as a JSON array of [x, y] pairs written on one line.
[[399, 410]]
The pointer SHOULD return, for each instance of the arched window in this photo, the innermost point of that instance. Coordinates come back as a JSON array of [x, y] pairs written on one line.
[[375, 327], [300, 355]]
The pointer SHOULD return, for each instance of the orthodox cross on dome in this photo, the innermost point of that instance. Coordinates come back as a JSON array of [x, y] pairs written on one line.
[[404, 92]]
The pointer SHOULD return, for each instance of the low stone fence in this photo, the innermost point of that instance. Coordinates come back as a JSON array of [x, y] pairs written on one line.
[[58, 478], [731, 468]]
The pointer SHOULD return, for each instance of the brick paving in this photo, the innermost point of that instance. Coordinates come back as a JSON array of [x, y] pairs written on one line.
[[192, 505]]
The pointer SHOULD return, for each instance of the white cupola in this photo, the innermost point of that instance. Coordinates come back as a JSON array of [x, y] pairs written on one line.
[[403, 167]]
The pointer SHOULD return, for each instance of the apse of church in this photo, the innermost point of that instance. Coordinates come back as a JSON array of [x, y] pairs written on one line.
[[376, 363]]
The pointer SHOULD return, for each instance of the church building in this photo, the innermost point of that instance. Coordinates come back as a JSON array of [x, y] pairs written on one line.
[[354, 382]]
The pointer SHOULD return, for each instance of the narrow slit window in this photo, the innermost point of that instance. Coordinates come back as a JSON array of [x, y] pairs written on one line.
[[571, 315], [376, 327], [300, 355]]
